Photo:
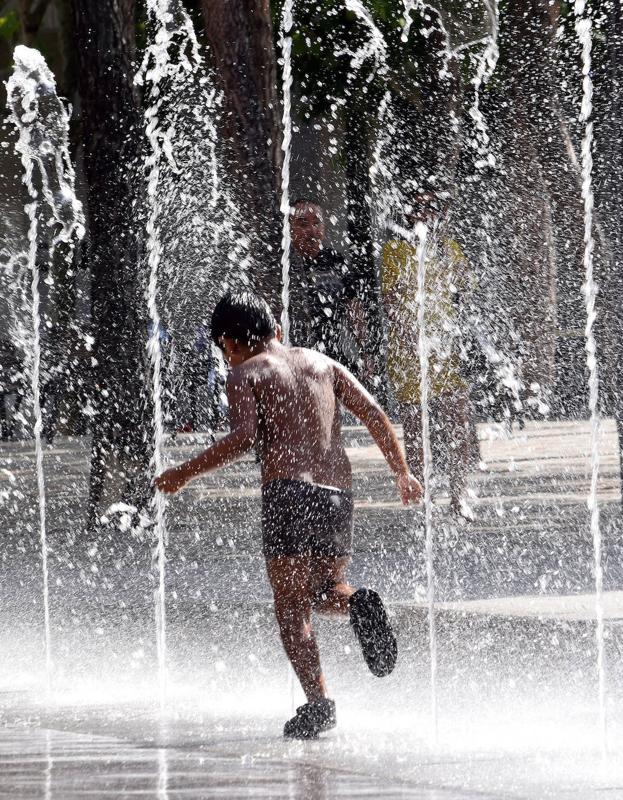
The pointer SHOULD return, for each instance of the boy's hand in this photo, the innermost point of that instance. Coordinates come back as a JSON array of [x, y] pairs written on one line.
[[171, 481], [409, 487]]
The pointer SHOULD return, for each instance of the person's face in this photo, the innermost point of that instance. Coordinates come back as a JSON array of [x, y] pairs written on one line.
[[233, 351], [307, 229]]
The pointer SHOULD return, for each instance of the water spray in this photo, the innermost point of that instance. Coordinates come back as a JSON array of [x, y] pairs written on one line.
[[421, 232], [43, 144], [285, 42], [584, 30], [173, 30]]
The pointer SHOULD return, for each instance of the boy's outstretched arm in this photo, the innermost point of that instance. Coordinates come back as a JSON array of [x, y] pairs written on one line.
[[361, 403], [240, 439]]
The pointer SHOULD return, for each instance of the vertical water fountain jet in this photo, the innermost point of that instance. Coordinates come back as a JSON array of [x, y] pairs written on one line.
[[418, 240], [55, 212], [421, 232], [583, 27], [285, 42], [163, 774], [173, 30], [32, 209], [49, 766]]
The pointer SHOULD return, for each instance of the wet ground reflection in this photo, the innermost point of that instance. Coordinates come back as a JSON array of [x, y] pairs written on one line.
[[126, 752]]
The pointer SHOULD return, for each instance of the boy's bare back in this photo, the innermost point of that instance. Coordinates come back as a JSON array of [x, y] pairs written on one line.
[[291, 396], [285, 402]]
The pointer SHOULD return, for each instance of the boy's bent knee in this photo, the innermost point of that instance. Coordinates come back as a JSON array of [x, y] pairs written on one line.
[[322, 594]]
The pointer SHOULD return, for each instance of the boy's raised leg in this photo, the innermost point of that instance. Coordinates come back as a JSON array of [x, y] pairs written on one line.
[[368, 616], [331, 590]]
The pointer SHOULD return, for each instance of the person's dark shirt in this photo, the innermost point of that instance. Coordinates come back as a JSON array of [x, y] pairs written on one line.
[[320, 289]]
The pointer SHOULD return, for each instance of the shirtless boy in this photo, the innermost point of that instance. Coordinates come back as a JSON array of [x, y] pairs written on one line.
[[286, 402]]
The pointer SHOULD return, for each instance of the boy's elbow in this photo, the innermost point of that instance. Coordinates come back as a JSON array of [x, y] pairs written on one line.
[[375, 417]]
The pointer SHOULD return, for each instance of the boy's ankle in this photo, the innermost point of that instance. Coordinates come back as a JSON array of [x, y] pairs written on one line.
[[316, 698]]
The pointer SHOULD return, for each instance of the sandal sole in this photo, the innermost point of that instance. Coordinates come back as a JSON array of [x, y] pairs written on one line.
[[373, 630]]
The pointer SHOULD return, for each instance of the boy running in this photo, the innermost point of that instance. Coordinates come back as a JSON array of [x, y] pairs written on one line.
[[286, 402]]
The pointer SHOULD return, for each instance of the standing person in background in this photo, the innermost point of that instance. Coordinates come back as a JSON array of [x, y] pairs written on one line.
[[325, 311], [446, 280]]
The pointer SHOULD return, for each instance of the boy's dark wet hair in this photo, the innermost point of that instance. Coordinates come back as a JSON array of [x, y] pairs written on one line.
[[243, 316]]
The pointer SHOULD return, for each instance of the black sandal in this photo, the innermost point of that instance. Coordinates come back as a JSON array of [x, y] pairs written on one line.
[[372, 628], [310, 720]]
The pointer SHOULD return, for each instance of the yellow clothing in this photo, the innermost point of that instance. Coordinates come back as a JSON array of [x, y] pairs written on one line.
[[446, 275]]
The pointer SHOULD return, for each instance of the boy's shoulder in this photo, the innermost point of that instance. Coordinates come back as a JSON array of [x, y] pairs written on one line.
[[255, 367], [312, 358], [268, 364]]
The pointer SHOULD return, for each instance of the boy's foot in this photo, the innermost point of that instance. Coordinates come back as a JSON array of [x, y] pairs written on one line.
[[310, 720], [374, 631]]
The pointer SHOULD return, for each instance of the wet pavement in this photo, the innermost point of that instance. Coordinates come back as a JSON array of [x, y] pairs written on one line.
[[516, 638], [101, 753]]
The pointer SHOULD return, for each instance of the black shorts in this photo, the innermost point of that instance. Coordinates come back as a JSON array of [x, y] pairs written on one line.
[[300, 518]]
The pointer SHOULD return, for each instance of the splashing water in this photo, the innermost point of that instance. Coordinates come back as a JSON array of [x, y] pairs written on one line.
[[486, 67], [173, 26], [285, 41], [173, 30], [43, 144], [503, 367], [584, 33], [419, 5], [382, 170], [375, 47], [421, 232], [43, 124], [410, 6]]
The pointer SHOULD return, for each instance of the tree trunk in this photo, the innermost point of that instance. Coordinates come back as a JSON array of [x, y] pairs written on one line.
[[31, 14], [240, 35], [111, 134], [533, 131]]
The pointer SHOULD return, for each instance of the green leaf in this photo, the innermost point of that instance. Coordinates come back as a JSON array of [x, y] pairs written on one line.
[[9, 26]]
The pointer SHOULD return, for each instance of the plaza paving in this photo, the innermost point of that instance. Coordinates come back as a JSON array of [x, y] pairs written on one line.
[[517, 712]]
